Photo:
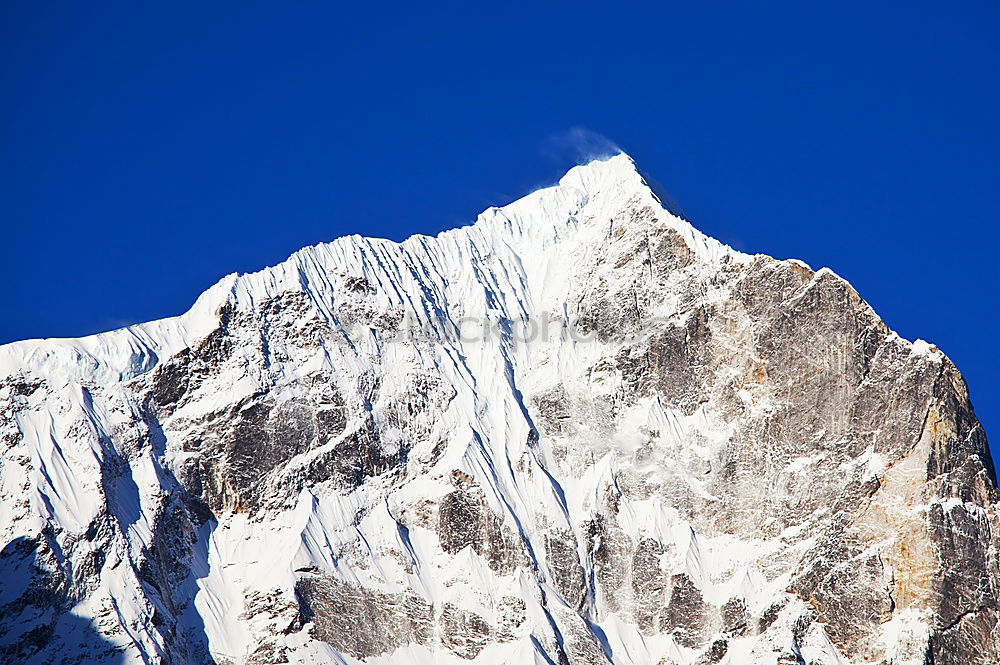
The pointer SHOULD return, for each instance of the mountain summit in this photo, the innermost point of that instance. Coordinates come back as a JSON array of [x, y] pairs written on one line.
[[575, 431]]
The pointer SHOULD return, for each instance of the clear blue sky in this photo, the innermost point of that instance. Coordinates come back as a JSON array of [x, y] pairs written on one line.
[[148, 150]]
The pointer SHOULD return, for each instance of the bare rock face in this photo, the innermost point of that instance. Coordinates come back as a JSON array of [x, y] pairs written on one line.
[[364, 623], [465, 520], [577, 431]]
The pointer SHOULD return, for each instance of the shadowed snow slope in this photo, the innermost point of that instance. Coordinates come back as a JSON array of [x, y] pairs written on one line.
[[576, 431]]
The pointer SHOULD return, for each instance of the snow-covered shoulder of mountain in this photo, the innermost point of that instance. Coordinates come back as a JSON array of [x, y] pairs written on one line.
[[530, 226]]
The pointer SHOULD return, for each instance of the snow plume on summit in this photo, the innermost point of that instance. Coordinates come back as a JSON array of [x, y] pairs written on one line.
[[704, 457], [580, 144]]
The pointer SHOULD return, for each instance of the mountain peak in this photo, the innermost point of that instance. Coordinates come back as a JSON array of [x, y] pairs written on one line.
[[602, 172], [577, 430]]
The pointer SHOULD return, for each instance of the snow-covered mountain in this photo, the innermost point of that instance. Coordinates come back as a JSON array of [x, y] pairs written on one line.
[[576, 431]]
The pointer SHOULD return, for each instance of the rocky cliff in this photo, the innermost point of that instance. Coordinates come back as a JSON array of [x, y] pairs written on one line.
[[576, 431]]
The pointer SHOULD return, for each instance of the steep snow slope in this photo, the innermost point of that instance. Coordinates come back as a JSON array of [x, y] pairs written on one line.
[[576, 431]]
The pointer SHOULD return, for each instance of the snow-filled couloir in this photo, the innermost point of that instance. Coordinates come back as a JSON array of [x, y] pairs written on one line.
[[576, 431]]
